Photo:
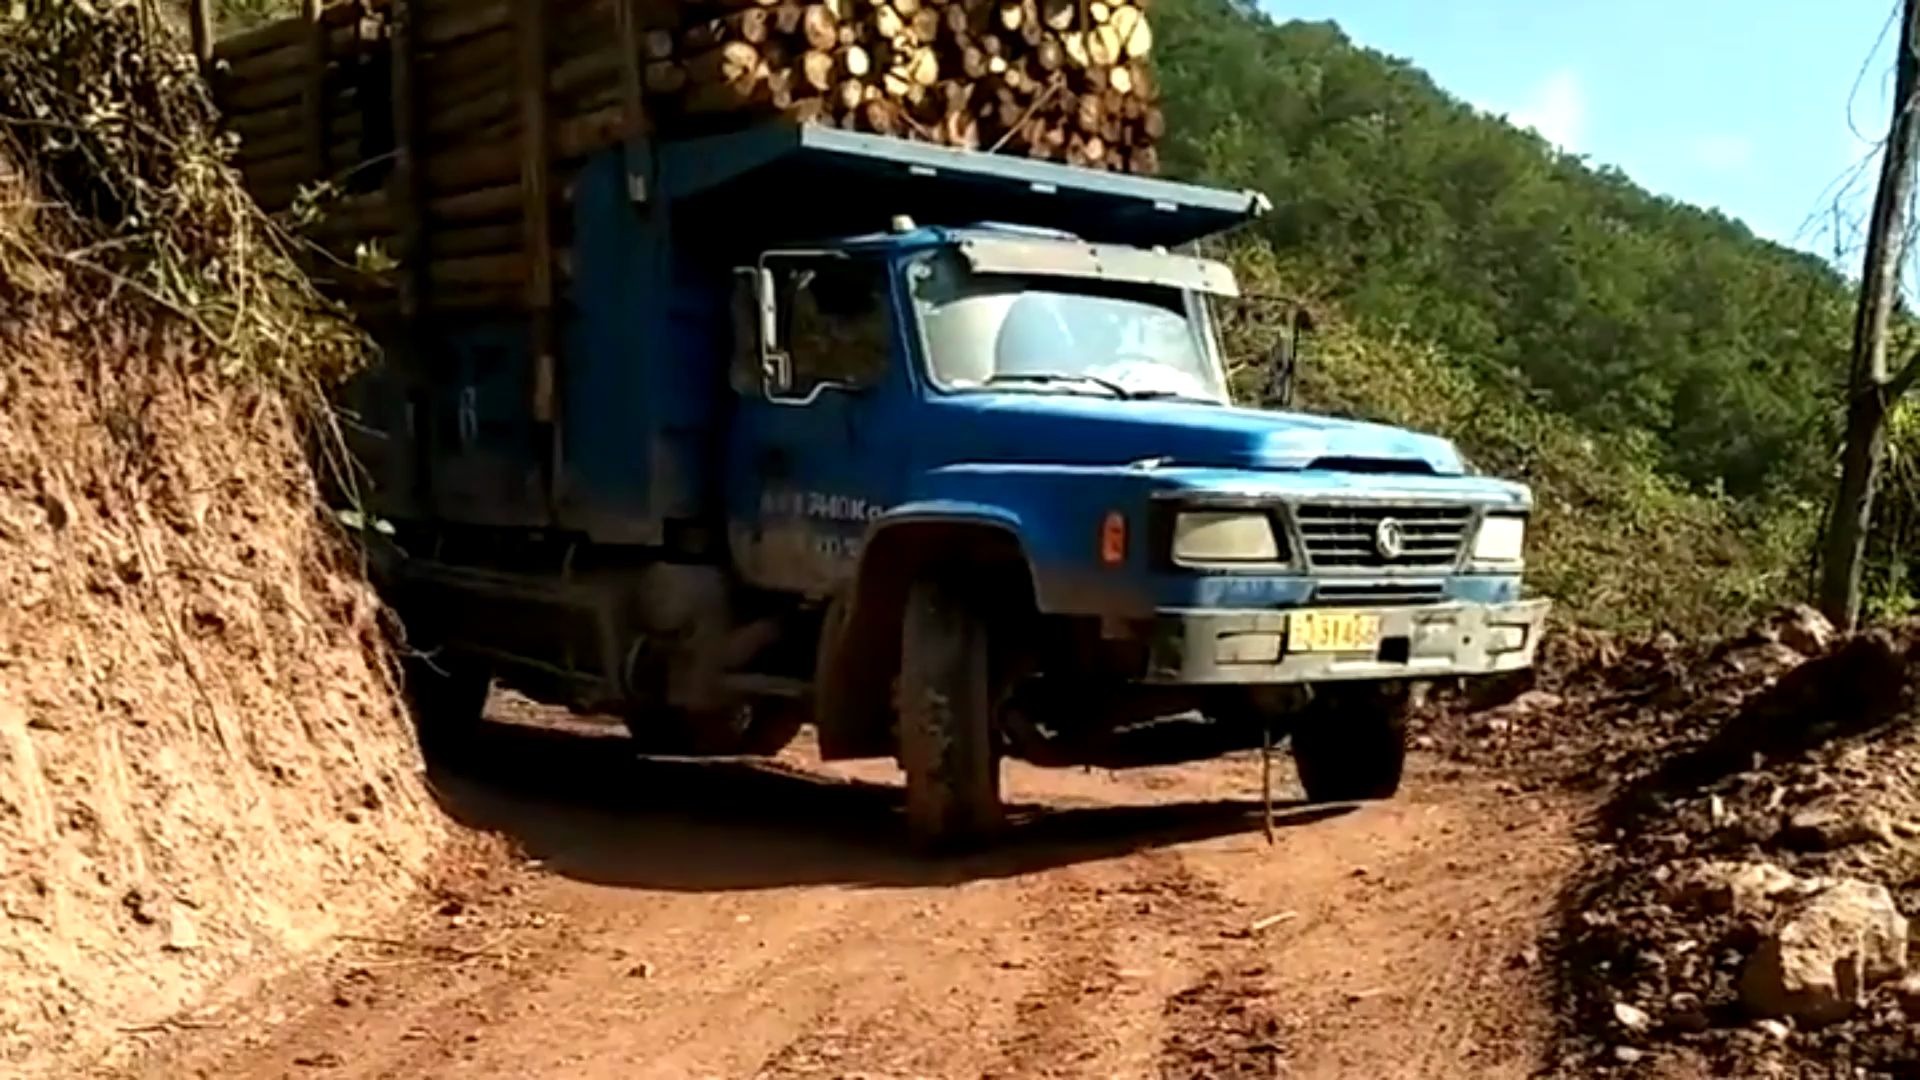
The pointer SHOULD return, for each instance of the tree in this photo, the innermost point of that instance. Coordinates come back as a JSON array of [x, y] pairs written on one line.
[[1871, 391], [1422, 217]]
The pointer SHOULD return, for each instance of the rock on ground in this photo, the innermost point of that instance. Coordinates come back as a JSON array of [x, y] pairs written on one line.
[[1825, 952]]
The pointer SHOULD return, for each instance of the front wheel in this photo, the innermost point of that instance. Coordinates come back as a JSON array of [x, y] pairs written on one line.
[[1350, 744], [948, 745]]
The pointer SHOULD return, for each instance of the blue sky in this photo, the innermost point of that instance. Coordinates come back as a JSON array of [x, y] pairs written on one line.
[[1749, 106]]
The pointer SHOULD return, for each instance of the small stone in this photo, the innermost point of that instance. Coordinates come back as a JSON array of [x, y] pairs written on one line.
[[1740, 888], [182, 934], [1907, 993], [1773, 1029], [1831, 829], [1537, 701], [1632, 1018], [642, 970], [1802, 629], [1627, 1055], [1686, 1012]]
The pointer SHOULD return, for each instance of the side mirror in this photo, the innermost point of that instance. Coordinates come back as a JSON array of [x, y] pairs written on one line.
[[776, 366]]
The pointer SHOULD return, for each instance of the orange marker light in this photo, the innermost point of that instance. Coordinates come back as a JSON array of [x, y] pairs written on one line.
[[1113, 539]]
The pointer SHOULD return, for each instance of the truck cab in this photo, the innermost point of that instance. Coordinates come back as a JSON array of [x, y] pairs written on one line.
[[962, 482]]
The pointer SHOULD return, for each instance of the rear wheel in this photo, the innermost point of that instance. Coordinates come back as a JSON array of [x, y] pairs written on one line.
[[1351, 743], [948, 745], [447, 694]]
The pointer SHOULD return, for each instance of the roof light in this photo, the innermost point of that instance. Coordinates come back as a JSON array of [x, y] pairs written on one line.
[[902, 224]]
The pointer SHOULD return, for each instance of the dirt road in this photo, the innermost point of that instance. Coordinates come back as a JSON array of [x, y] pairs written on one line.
[[681, 919]]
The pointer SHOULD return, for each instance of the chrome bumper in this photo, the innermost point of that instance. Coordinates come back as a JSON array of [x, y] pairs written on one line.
[[1433, 641]]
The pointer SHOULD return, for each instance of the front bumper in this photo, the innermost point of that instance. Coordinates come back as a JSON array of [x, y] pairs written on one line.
[[1432, 641]]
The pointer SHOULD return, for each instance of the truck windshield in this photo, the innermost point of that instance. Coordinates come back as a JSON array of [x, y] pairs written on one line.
[[1061, 335]]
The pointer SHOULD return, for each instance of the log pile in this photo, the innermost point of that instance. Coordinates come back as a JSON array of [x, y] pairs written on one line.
[[496, 102], [1060, 79]]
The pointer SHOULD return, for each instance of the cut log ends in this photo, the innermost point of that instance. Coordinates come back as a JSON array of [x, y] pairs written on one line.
[[1061, 80]]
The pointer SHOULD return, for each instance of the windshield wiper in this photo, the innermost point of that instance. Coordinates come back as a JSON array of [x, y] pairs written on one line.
[[1108, 385]]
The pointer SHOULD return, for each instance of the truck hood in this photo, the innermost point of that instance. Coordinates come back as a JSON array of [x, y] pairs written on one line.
[[1074, 429]]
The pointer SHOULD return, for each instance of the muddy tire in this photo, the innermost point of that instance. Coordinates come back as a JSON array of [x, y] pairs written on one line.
[[1350, 745], [948, 745], [447, 695]]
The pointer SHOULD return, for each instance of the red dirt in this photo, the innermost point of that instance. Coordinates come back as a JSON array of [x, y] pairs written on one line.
[[680, 919], [203, 767]]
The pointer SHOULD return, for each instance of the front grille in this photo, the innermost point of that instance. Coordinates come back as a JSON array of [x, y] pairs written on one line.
[[1345, 535], [1355, 593]]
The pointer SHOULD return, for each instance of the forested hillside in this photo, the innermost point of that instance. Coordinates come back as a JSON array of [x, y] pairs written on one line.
[[1667, 380], [1629, 311]]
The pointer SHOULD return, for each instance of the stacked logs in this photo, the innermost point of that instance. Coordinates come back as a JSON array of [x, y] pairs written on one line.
[[1060, 79], [496, 102], [291, 92]]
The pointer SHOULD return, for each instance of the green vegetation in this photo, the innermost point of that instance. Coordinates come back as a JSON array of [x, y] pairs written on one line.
[[1631, 312], [1667, 381], [132, 212], [1617, 541]]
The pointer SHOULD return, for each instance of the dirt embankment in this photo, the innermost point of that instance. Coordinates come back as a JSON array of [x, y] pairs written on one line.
[[1744, 901], [1745, 911], [202, 765]]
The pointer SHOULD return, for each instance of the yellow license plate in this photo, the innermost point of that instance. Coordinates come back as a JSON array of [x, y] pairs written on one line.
[[1332, 631]]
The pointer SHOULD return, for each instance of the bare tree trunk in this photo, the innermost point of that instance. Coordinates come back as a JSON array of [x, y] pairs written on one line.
[[1870, 391]]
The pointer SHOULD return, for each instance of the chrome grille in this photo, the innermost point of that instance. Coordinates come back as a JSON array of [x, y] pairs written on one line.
[[1406, 592], [1344, 535]]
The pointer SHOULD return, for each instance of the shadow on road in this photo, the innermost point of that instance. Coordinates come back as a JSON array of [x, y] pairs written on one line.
[[591, 810]]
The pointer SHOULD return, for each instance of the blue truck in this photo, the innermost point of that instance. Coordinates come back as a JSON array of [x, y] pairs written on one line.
[[944, 464]]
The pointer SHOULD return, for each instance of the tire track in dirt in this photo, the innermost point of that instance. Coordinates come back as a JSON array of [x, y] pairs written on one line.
[[720, 919]]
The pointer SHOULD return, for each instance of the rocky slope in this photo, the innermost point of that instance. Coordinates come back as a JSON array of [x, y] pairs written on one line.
[[1744, 905]]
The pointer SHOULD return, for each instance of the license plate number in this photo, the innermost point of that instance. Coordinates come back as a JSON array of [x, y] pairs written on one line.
[[1332, 631]]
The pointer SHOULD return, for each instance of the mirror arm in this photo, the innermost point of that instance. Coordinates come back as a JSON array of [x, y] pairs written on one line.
[[776, 367]]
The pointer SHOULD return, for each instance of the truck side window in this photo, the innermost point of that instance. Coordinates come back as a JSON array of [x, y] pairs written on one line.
[[833, 320]]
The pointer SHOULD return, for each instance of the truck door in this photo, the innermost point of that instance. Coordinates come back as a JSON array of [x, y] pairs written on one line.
[[816, 449]]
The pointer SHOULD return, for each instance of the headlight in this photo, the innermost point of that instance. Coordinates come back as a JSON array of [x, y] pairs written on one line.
[[1501, 540], [1224, 536]]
